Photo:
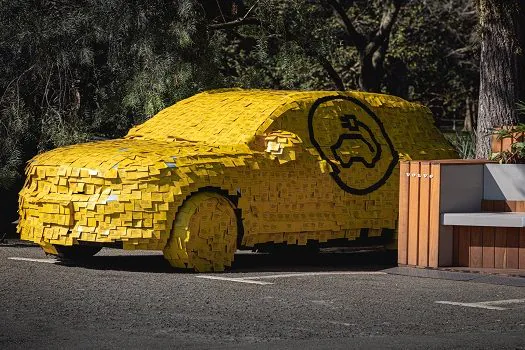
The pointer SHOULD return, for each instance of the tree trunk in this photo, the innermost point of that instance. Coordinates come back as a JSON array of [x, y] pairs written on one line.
[[371, 74], [502, 67], [467, 125]]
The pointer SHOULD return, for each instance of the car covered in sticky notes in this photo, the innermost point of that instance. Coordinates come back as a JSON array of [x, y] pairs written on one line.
[[232, 169]]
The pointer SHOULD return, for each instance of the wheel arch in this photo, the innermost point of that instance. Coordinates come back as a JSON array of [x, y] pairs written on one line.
[[234, 201]]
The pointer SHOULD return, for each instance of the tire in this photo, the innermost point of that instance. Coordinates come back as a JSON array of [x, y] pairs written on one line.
[[76, 252], [204, 234]]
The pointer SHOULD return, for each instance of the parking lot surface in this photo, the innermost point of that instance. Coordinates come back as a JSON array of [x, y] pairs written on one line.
[[331, 300]]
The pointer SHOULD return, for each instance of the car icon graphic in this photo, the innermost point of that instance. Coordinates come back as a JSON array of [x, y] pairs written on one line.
[[360, 133], [232, 169]]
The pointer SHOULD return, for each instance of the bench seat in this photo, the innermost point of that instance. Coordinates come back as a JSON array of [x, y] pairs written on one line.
[[491, 219]]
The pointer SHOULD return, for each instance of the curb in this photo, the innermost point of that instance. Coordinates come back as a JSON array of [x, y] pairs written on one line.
[[458, 276]]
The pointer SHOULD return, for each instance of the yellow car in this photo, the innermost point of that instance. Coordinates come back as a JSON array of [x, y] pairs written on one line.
[[232, 169]]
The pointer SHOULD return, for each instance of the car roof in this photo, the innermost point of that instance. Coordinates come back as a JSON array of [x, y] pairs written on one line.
[[232, 116]]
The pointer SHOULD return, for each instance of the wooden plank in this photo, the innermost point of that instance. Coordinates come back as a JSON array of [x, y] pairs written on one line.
[[496, 144], [434, 234], [488, 247], [476, 247], [464, 246], [522, 249], [462, 161], [510, 206], [424, 206], [402, 230], [500, 242], [505, 144], [413, 216], [446, 243], [513, 243], [520, 206], [455, 246], [499, 206], [486, 205]]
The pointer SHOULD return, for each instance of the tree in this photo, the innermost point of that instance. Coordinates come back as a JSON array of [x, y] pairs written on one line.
[[73, 71], [502, 68], [432, 55], [292, 21], [372, 47]]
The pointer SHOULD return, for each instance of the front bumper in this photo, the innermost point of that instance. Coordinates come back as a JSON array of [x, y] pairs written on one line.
[[105, 212]]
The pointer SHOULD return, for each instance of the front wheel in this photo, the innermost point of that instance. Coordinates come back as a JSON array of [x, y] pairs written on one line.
[[204, 234]]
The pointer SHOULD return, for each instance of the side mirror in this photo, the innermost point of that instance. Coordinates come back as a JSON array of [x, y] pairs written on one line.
[[282, 145]]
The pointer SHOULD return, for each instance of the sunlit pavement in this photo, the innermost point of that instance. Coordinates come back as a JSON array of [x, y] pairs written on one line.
[[335, 299]]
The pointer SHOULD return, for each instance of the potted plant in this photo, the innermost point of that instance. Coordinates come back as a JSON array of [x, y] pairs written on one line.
[[508, 142]]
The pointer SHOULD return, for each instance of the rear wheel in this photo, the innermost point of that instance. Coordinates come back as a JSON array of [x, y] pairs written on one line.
[[204, 234], [76, 252]]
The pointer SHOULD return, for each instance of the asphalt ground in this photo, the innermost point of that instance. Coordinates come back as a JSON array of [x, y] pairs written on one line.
[[334, 300]]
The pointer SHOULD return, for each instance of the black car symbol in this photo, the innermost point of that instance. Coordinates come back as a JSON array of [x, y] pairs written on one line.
[[358, 132]]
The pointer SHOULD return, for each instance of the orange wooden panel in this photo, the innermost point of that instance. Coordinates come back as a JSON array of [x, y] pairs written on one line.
[[500, 145], [520, 206], [513, 243], [476, 247], [488, 247], [433, 234], [462, 161], [500, 243], [413, 217], [424, 206], [402, 231], [496, 144], [506, 143], [455, 245], [511, 206], [522, 249], [464, 246]]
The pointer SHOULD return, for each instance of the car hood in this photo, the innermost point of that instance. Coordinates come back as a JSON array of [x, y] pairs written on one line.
[[138, 158]]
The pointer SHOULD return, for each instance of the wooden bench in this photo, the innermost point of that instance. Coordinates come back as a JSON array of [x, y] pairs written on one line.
[[461, 213]]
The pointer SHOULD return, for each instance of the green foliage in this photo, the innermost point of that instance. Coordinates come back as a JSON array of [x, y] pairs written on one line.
[[432, 56], [464, 143], [516, 153], [520, 107], [438, 42], [74, 70], [278, 53]]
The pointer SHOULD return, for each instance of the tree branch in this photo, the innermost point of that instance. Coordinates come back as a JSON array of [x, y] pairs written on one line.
[[245, 20], [234, 24], [306, 46], [338, 82], [385, 27], [357, 38]]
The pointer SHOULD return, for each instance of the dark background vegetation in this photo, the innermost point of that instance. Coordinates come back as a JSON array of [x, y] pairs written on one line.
[[73, 71]]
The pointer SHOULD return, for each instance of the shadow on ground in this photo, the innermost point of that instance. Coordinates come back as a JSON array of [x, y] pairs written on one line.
[[252, 262]]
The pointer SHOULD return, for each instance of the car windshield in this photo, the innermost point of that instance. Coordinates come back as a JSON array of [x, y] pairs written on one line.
[[231, 117]]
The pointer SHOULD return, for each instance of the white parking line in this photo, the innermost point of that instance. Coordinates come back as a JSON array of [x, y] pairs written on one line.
[[503, 302], [240, 280], [477, 305], [253, 279], [490, 305], [47, 261], [303, 274]]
